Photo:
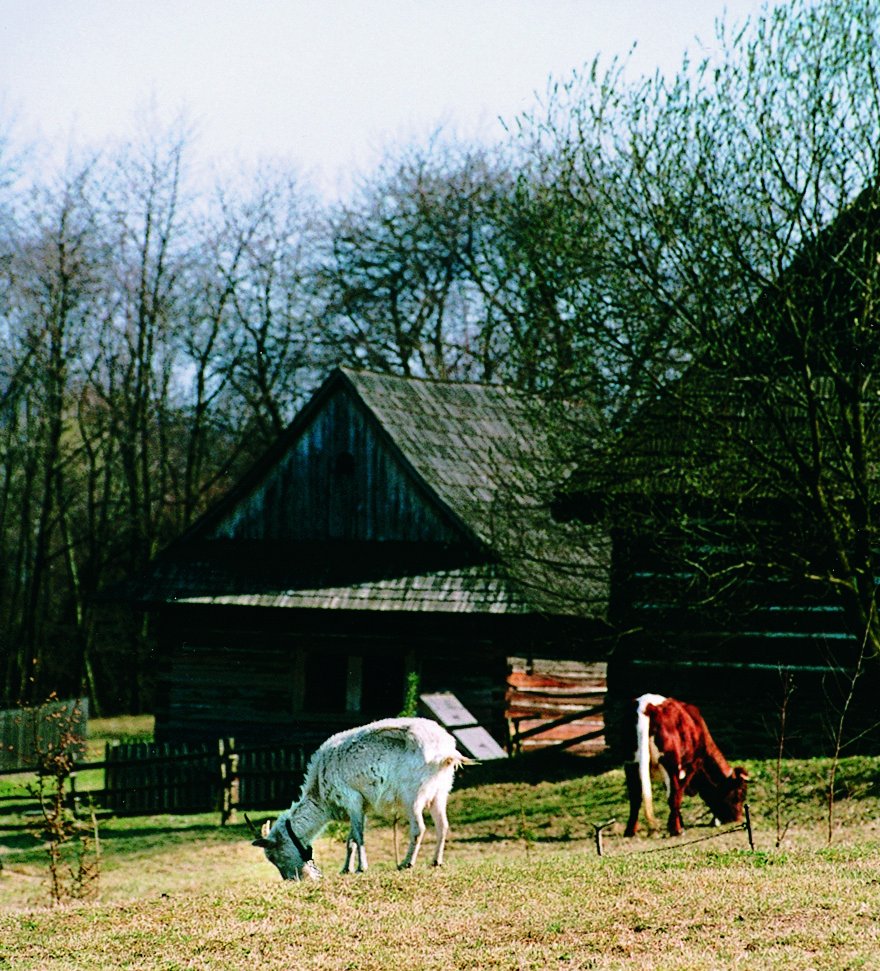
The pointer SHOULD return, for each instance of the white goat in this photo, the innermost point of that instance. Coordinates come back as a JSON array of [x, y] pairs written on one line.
[[397, 762]]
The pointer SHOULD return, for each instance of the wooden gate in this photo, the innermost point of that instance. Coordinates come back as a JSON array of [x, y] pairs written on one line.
[[558, 704]]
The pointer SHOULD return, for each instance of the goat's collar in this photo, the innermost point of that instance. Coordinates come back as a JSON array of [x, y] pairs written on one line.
[[304, 851]]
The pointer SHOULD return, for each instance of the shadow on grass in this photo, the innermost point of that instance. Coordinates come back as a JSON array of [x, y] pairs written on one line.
[[550, 765], [489, 838], [115, 830], [19, 838]]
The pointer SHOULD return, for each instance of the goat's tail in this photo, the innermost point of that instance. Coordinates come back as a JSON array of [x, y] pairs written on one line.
[[457, 760]]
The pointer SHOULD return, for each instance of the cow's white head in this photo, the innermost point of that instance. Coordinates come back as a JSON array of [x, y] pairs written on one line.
[[285, 850]]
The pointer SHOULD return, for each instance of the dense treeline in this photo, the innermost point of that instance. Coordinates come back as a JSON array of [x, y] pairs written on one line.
[[155, 337]]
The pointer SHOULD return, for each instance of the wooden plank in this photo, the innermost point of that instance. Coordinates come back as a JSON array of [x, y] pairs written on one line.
[[444, 707], [26, 734], [590, 715], [478, 743]]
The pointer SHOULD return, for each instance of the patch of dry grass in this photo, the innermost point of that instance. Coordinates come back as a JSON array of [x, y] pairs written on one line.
[[523, 888], [503, 910]]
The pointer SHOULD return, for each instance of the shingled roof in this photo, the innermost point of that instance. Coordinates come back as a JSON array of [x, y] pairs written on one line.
[[481, 455]]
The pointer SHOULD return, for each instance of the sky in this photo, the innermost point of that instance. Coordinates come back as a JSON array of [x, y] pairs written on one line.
[[323, 85]]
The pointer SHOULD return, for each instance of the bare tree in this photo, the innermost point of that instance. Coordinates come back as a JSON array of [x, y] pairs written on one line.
[[53, 276], [400, 294], [739, 282]]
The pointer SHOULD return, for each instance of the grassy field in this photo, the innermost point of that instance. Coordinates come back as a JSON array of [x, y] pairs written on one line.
[[523, 886]]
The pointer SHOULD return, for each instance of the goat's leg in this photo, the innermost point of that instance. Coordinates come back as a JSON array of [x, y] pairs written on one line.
[[441, 824], [355, 852], [358, 834], [355, 842], [416, 832]]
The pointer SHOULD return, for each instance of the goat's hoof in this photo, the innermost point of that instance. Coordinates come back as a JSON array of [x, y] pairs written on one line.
[[405, 866], [437, 863]]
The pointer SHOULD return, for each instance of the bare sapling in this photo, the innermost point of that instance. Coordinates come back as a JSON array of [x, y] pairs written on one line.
[[838, 732], [787, 691], [72, 846]]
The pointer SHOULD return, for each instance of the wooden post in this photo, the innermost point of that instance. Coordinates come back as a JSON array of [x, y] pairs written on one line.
[[749, 827], [228, 779], [515, 744], [72, 794]]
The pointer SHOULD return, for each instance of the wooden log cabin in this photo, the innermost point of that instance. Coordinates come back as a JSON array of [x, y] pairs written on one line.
[[717, 594], [397, 535], [743, 499]]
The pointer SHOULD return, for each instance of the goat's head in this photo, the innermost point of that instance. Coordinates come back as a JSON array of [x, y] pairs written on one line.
[[285, 850]]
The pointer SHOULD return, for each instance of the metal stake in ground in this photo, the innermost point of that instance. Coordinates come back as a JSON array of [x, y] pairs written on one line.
[[598, 827], [748, 827]]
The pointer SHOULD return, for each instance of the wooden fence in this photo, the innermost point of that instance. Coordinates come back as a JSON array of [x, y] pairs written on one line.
[[556, 704], [27, 735], [146, 778]]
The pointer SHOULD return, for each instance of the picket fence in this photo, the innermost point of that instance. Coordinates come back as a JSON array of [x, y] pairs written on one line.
[[142, 778]]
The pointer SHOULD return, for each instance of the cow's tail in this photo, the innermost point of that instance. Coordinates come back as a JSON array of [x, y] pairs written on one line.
[[643, 757]]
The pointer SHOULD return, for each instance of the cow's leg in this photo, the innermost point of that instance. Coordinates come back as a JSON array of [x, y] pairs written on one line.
[[676, 826], [441, 824], [676, 791], [414, 814], [634, 792]]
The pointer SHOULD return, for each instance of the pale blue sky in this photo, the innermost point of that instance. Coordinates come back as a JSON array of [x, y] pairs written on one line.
[[323, 84]]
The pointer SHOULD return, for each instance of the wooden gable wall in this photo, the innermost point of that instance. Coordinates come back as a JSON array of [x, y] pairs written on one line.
[[339, 480]]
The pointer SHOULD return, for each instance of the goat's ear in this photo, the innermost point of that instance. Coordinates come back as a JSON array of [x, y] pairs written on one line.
[[263, 842]]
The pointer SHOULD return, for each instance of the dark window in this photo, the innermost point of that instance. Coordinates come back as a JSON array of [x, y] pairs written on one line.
[[326, 679], [383, 681]]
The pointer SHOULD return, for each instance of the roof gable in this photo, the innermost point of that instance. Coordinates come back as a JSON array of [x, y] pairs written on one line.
[[465, 442], [453, 472], [340, 477]]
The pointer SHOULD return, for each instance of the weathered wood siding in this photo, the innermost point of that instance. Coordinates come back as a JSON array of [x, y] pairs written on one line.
[[256, 679], [261, 693], [29, 735], [340, 481]]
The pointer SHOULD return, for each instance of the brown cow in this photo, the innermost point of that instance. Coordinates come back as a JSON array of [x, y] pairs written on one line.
[[672, 737]]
